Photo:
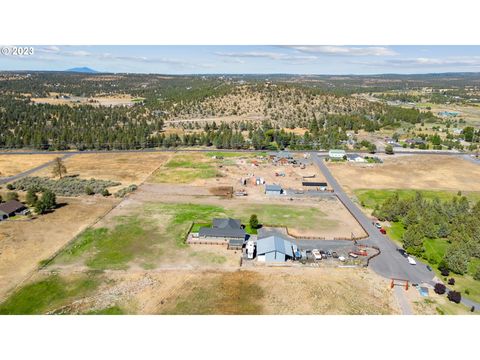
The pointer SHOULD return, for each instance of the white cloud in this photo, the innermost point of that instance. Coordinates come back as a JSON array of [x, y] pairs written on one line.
[[459, 61], [268, 55], [345, 50]]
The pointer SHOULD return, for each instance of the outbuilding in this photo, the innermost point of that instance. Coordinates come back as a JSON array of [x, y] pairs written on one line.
[[321, 185], [275, 249], [336, 154], [273, 189]]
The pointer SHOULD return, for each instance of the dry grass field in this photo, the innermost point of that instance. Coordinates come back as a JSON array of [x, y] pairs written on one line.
[[15, 164], [127, 168], [184, 292], [118, 100], [23, 244], [429, 172]]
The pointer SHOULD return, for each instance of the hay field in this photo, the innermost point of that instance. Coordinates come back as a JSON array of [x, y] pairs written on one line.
[[15, 164]]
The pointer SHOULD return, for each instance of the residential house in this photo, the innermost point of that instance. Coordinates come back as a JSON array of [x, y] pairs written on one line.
[[224, 230], [336, 154], [12, 208]]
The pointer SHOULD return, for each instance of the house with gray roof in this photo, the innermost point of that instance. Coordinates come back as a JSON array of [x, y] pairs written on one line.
[[275, 249], [224, 230], [12, 208]]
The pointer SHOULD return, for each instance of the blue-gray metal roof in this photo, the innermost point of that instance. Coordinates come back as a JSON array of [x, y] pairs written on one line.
[[273, 187], [275, 243], [227, 233]]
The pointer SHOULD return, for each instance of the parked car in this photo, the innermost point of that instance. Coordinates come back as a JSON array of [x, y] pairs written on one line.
[[411, 261], [316, 254], [383, 231], [341, 258], [353, 255], [403, 252], [334, 254], [429, 268], [329, 253], [378, 225]]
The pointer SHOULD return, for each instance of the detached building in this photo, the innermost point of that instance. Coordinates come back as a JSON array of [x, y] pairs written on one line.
[[227, 231], [273, 189], [275, 249], [336, 154], [355, 158], [12, 208], [321, 185]]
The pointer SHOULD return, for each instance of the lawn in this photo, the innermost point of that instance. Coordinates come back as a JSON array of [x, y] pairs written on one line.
[[183, 169], [370, 198], [395, 231], [47, 295], [434, 250], [297, 217]]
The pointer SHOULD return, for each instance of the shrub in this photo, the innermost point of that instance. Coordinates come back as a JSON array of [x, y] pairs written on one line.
[[122, 192], [66, 186], [105, 192], [445, 272], [451, 281], [10, 187], [476, 275], [454, 296], [89, 190], [440, 289], [31, 197]]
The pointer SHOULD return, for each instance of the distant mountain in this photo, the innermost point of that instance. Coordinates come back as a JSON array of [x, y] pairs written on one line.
[[85, 70]]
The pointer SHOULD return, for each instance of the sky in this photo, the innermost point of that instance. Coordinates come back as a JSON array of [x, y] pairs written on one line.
[[244, 59]]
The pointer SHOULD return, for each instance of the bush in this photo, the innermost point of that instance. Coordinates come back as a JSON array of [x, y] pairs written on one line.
[[476, 275], [66, 186], [31, 197], [105, 192], [89, 190], [122, 192], [454, 296], [10, 187], [445, 272], [451, 281], [440, 289]]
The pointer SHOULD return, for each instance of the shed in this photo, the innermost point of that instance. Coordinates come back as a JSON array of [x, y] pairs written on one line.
[[273, 189], [321, 185], [336, 154], [275, 249]]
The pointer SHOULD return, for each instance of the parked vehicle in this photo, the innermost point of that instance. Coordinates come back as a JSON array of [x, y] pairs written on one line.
[[341, 258], [334, 255], [403, 252], [429, 268], [353, 255], [411, 261], [378, 225], [383, 231], [316, 254], [250, 249]]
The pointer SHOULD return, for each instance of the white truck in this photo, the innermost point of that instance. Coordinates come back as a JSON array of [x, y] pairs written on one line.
[[316, 254], [411, 261]]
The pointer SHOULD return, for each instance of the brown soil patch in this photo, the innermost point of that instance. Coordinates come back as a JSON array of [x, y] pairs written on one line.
[[429, 172]]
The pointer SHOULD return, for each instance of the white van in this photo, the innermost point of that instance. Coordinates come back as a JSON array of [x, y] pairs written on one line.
[[411, 261], [316, 254]]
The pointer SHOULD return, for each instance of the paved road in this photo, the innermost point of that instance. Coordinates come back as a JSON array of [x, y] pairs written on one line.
[[322, 153], [390, 263], [28, 172]]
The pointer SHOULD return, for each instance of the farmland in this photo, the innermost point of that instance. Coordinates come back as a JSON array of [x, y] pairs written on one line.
[[15, 164]]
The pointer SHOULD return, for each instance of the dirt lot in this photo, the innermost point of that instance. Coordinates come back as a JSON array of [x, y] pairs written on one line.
[[429, 172], [119, 100], [23, 244], [15, 164], [263, 291], [127, 168]]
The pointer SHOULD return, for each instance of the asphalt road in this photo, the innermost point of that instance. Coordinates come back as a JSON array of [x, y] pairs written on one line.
[[390, 263], [28, 172]]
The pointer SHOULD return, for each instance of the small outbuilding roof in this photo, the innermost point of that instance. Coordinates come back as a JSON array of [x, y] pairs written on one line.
[[275, 243], [273, 187], [313, 183], [11, 206]]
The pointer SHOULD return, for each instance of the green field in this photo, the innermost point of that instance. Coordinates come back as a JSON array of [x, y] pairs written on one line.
[[370, 198], [47, 295], [395, 231], [183, 169]]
